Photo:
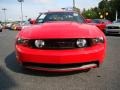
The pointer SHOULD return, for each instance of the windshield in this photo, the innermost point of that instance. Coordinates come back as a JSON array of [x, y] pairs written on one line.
[[101, 21], [60, 16], [96, 21]]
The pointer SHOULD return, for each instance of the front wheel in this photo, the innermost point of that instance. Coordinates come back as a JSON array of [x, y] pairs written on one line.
[[0, 30]]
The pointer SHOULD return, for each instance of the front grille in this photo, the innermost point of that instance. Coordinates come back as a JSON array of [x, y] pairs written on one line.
[[114, 32], [60, 44], [57, 44], [113, 27]]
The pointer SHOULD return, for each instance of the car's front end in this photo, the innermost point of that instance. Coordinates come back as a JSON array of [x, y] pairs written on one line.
[[59, 58], [113, 28], [61, 46], [60, 42]]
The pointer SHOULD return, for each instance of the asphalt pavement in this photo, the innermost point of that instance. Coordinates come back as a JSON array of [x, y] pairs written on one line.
[[12, 77]]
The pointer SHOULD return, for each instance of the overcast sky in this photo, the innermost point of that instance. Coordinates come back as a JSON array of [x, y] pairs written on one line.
[[31, 8]]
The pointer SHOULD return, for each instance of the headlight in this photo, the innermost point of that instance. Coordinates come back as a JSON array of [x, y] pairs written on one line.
[[21, 41], [39, 43], [97, 40], [81, 43]]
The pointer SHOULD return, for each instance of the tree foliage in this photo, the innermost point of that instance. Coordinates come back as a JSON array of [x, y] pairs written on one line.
[[116, 6], [90, 13], [106, 9]]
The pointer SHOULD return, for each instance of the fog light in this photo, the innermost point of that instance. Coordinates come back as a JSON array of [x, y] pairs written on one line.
[[39, 43], [81, 43]]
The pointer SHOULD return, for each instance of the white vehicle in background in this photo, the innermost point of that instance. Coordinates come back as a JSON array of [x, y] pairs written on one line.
[[113, 28], [8, 26]]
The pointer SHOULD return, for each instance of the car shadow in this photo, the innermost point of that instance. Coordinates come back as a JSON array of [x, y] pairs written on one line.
[[13, 65], [6, 81]]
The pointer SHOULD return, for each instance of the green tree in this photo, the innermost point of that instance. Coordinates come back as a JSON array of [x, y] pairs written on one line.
[[106, 8], [90, 13], [116, 6], [109, 6]]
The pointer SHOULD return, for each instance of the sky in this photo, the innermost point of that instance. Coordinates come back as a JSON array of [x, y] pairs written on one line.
[[31, 8]]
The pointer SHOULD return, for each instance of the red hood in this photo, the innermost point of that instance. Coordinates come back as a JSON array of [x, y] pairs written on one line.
[[60, 30]]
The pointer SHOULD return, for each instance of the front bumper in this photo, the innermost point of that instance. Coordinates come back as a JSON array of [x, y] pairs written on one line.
[[91, 57]]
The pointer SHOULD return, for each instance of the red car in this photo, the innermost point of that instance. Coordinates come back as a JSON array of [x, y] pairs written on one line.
[[60, 41], [101, 23]]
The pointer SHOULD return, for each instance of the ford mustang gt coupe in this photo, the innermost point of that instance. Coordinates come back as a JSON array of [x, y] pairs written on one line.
[[60, 41]]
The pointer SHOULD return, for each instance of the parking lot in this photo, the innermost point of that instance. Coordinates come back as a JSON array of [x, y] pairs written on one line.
[[12, 77]]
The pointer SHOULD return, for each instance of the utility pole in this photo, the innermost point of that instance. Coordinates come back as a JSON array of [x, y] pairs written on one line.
[[116, 15], [26, 17], [4, 9], [21, 1], [73, 4]]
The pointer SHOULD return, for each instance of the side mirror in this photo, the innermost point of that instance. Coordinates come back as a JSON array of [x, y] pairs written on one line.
[[88, 20], [32, 21]]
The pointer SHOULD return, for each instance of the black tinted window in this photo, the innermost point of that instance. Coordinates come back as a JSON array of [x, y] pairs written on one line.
[[60, 16], [96, 21]]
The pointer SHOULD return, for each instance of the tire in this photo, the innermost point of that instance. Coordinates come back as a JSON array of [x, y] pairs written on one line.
[[0, 30], [22, 67]]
